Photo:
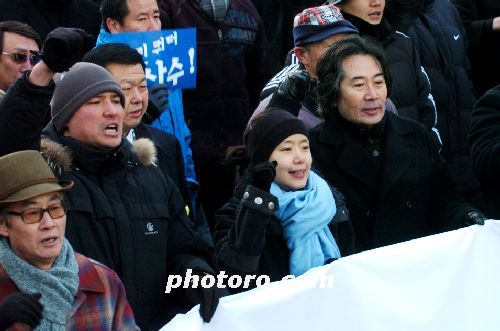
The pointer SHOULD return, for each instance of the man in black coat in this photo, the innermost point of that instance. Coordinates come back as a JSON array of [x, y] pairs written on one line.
[[396, 185], [439, 36], [481, 19], [128, 69], [484, 137]]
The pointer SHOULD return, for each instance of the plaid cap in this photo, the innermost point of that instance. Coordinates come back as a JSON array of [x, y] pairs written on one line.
[[318, 23]]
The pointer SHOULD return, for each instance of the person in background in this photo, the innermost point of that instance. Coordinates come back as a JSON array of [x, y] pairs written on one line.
[[481, 20], [438, 34], [411, 89], [165, 109], [19, 47], [484, 138], [233, 63]]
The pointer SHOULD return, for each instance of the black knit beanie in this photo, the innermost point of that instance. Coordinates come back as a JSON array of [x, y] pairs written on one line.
[[82, 82], [269, 131]]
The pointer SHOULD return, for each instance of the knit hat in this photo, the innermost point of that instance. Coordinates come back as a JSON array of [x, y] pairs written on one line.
[[268, 130], [25, 175], [82, 82], [318, 23]]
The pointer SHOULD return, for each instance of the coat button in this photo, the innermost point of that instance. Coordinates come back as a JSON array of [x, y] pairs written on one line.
[[246, 195], [271, 205], [258, 200], [376, 153], [369, 213], [409, 204]]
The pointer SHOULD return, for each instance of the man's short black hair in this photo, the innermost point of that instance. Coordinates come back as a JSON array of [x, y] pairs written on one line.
[[20, 28], [331, 73], [114, 53], [115, 9]]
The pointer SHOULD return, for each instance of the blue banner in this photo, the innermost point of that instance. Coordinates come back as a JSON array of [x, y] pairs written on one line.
[[170, 55]]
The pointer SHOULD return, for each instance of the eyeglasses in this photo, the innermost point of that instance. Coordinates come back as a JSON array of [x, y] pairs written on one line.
[[34, 215], [21, 58]]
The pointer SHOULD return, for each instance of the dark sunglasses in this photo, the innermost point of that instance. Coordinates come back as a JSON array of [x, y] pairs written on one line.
[[21, 58]]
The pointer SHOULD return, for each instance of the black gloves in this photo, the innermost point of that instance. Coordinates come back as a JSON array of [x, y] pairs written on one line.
[[21, 308], [158, 102], [292, 90], [474, 217], [262, 175], [297, 85], [208, 298], [63, 47]]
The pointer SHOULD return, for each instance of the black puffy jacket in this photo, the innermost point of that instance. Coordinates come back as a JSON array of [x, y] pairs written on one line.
[[125, 214]]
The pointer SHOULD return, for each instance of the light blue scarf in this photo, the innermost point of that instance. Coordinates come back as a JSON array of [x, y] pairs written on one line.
[[103, 37], [304, 216], [58, 285]]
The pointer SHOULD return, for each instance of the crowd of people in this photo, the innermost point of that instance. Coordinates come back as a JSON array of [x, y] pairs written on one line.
[[380, 125]]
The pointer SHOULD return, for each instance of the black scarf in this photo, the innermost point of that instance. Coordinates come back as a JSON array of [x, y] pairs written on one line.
[[94, 160]]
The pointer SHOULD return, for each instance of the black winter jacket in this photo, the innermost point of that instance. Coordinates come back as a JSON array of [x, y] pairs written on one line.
[[169, 154], [440, 38], [24, 110], [125, 214], [249, 238], [484, 137], [484, 43], [409, 197]]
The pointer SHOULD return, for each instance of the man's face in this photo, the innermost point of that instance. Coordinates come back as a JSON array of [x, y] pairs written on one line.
[[99, 122], [132, 81], [143, 15], [40, 243], [362, 91], [11, 70], [370, 11], [309, 56]]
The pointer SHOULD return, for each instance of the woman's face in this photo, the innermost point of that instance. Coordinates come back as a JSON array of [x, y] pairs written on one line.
[[370, 11], [294, 162]]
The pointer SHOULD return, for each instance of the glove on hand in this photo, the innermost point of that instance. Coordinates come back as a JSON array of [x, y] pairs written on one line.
[[21, 308], [474, 217], [158, 102], [297, 85], [208, 298], [262, 175], [63, 47]]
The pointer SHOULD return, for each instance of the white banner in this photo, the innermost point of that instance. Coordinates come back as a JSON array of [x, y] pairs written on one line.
[[449, 281]]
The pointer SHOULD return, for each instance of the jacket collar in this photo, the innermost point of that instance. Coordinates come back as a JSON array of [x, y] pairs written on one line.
[[399, 152], [90, 281]]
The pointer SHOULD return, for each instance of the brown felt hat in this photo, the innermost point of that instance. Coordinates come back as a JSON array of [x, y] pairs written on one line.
[[25, 175]]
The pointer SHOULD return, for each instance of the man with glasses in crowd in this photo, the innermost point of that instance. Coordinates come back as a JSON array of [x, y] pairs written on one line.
[[19, 46], [42, 280]]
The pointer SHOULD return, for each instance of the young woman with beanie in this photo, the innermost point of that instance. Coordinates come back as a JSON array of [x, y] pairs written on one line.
[[283, 218]]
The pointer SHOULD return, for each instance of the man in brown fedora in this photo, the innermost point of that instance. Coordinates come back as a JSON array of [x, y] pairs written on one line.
[[39, 271]]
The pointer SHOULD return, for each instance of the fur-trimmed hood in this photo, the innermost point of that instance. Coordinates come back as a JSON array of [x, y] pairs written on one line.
[[60, 158]]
